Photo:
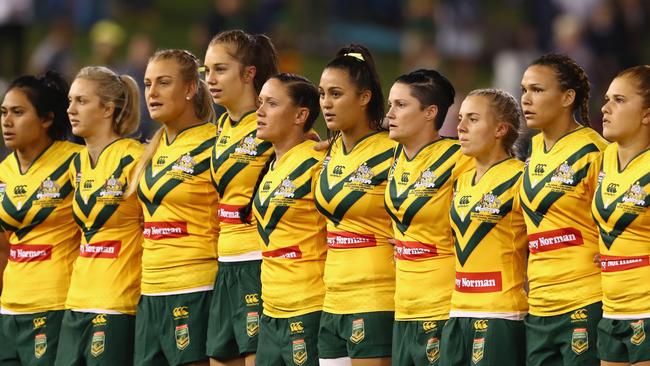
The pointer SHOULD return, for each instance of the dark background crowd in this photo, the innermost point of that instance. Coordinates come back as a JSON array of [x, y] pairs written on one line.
[[475, 43]]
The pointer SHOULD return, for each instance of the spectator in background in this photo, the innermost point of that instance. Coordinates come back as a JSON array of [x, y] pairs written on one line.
[[140, 48], [55, 51], [107, 37], [15, 15]]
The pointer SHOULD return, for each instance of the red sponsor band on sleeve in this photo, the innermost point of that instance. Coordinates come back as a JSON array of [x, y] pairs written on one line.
[[348, 240], [413, 250], [30, 252], [229, 214], [478, 282], [101, 249], [157, 230], [554, 239], [615, 264], [292, 252]]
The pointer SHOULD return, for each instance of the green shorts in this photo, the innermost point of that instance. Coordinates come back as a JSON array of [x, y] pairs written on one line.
[[235, 310], [361, 335], [417, 342], [171, 329], [623, 340], [483, 342], [288, 341], [567, 339], [96, 339], [29, 339]]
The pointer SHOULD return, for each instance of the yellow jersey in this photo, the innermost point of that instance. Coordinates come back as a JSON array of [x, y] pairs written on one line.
[[620, 210], [106, 274], [359, 270], [292, 234], [418, 198], [490, 240], [179, 204], [237, 161], [43, 241], [562, 236]]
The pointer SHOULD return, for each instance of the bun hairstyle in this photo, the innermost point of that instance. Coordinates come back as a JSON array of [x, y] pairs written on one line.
[[48, 93], [358, 62], [504, 108], [303, 93], [122, 91], [570, 75], [430, 87], [251, 50]]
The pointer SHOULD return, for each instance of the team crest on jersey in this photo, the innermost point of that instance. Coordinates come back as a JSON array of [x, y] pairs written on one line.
[[638, 330], [635, 195], [185, 164], [112, 188], [427, 180], [299, 351], [252, 323], [48, 190], [433, 349], [478, 350], [358, 331], [247, 146], [286, 189], [488, 204], [97, 344], [182, 333], [563, 174], [579, 341], [362, 175], [40, 345]]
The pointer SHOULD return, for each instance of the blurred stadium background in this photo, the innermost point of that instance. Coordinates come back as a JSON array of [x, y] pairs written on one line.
[[475, 43]]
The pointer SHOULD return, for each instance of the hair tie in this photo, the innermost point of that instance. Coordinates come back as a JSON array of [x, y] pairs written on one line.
[[356, 55]]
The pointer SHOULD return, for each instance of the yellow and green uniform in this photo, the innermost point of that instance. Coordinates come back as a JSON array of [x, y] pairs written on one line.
[[237, 160], [37, 211], [620, 210], [359, 270], [418, 201], [489, 300], [292, 234], [490, 242], [561, 233], [179, 204], [36, 215], [293, 239], [106, 275]]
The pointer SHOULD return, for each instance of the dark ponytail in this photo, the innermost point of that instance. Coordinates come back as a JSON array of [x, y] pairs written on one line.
[[570, 75], [358, 62], [430, 87], [48, 93]]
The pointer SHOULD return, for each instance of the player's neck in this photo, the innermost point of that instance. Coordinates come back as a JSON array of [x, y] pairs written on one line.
[[29, 153], [95, 144], [487, 160]]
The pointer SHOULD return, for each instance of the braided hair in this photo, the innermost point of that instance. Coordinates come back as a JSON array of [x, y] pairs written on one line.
[[570, 75]]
